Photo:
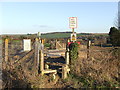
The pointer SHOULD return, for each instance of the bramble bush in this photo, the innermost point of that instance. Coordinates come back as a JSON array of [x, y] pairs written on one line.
[[73, 55], [73, 51]]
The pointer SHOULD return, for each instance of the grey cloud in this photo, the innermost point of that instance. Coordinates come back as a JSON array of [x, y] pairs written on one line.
[[42, 26]]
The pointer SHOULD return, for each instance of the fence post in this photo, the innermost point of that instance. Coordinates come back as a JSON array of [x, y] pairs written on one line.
[[56, 44], [36, 57], [6, 50], [64, 72], [88, 49], [41, 60], [67, 56]]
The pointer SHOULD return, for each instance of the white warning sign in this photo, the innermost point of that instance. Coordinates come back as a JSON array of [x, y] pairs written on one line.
[[27, 44], [73, 22]]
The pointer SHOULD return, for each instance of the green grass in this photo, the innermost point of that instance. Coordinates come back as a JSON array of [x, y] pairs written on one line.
[[56, 35], [16, 41], [59, 35]]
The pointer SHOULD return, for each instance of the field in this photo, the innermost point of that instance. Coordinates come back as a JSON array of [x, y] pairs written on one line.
[[55, 35], [100, 70], [67, 35]]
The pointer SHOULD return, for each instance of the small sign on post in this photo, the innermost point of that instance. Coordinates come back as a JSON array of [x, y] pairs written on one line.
[[73, 37], [27, 44], [73, 22], [73, 25]]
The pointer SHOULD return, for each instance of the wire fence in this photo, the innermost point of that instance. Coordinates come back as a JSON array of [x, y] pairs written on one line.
[[95, 52], [16, 53]]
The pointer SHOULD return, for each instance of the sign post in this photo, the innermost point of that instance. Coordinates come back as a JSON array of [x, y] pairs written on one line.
[[73, 25]]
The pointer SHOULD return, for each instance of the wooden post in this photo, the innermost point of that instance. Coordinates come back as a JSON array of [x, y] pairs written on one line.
[[36, 57], [56, 44], [43, 41], [64, 72], [73, 30], [6, 50], [41, 60], [67, 56], [54, 75]]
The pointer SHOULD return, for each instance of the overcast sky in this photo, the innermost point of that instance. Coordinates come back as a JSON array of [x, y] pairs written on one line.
[[32, 17]]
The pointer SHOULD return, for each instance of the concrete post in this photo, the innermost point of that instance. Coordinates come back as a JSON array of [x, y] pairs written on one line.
[[88, 48], [89, 43]]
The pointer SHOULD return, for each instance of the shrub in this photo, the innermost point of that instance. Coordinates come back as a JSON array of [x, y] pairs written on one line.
[[114, 36], [73, 51], [73, 56]]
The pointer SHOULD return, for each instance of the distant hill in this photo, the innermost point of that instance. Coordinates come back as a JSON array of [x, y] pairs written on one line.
[[53, 35], [61, 34]]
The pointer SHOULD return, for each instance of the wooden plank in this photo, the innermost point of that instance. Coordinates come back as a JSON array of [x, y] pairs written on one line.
[[60, 70], [49, 71], [56, 64]]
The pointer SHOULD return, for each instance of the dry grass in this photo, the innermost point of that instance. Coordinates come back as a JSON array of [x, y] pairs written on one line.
[[102, 68]]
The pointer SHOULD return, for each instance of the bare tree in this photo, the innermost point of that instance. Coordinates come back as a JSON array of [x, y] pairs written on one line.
[[116, 22], [117, 19], [118, 15]]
